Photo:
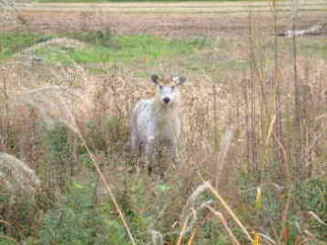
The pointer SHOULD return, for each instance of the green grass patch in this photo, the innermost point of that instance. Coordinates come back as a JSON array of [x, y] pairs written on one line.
[[101, 47], [13, 42], [98, 38], [55, 55], [135, 48], [121, 49]]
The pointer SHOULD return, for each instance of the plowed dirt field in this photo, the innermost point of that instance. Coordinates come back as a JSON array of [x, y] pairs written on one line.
[[179, 19]]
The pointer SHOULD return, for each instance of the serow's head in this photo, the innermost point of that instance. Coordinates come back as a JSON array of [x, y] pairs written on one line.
[[167, 89]]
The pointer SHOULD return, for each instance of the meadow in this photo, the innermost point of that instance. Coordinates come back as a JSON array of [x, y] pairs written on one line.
[[253, 154]]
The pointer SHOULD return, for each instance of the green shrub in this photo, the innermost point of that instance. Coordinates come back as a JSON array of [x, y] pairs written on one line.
[[58, 164], [17, 217], [78, 220], [311, 196]]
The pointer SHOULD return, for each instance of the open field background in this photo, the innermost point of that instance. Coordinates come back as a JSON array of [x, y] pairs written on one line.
[[253, 156], [179, 7]]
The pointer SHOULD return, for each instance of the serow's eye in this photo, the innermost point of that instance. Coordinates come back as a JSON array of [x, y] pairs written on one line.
[[160, 86]]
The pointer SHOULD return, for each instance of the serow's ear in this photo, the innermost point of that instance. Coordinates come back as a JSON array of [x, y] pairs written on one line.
[[155, 78], [181, 80]]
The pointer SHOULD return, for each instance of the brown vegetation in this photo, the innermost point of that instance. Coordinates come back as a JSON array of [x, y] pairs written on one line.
[[253, 137]]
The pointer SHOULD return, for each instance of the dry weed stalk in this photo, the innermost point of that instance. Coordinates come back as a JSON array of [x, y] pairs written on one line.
[[284, 218], [229, 210], [191, 219], [277, 122], [298, 136], [183, 231], [224, 148], [190, 211], [250, 95], [190, 241], [225, 224]]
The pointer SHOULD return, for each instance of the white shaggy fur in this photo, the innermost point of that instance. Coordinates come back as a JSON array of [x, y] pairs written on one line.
[[156, 124]]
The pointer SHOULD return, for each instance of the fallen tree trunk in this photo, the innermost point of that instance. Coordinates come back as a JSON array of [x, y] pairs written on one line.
[[313, 30]]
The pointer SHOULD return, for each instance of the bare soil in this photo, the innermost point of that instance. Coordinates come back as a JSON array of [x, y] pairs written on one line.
[[163, 24]]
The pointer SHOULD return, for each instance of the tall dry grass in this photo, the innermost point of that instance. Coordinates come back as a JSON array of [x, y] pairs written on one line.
[[249, 140]]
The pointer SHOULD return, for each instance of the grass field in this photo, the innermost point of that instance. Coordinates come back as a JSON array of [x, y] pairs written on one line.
[[105, 47], [252, 157], [102, 48], [239, 8], [123, 1]]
